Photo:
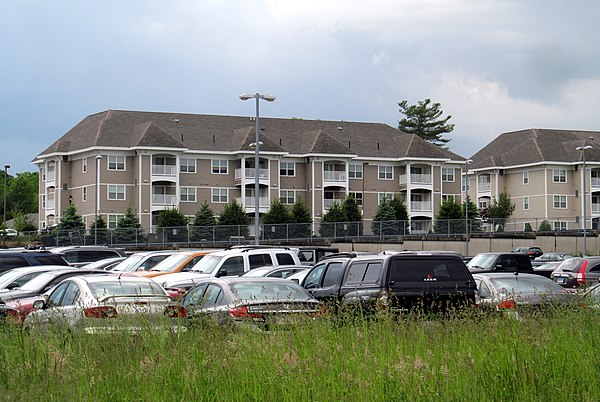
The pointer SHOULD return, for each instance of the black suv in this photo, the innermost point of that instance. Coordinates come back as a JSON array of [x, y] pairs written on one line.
[[532, 252], [79, 256], [22, 258], [500, 262], [399, 282]]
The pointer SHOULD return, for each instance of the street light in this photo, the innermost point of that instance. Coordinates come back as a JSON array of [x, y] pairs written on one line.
[[258, 97], [467, 163], [583, 149], [6, 167], [97, 202]]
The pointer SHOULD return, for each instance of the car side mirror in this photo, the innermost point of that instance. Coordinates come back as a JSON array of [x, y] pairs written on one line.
[[499, 267], [39, 305], [295, 280], [222, 272], [12, 285]]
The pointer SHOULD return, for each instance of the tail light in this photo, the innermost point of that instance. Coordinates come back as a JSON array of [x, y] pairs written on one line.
[[242, 312], [507, 304], [175, 311], [581, 273], [100, 312], [383, 299]]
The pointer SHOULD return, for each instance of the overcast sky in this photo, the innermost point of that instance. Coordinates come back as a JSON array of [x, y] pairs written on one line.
[[494, 65]]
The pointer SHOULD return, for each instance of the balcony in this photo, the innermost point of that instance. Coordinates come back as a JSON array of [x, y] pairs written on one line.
[[250, 175], [249, 203], [50, 206], [334, 176], [595, 183], [164, 170], [420, 206], [484, 187], [416, 179], [595, 208], [164, 199]]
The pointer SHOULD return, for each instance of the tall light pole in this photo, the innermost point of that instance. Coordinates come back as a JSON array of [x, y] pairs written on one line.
[[583, 149], [6, 167], [467, 163], [97, 197], [258, 97]]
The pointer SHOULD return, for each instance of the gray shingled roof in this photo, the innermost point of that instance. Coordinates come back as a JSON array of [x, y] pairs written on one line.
[[536, 146], [129, 129]]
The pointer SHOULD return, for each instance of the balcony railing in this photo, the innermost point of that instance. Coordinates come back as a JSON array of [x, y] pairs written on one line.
[[250, 173], [328, 201], [250, 202], [420, 206], [164, 199], [595, 208], [483, 187], [49, 204], [336, 176], [595, 182], [164, 170], [417, 178], [50, 176]]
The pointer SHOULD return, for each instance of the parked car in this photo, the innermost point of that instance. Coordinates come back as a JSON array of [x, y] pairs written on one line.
[[236, 261], [8, 232], [263, 303], [500, 262], [106, 264], [142, 261], [277, 271], [298, 277], [311, 255], [546, 269], [182, 261], [397, 282], [550, 257], [45, 282], [578, 272], [17, 277], [78, 256], [8, 314], [506, 291], [532, 252], [22, 258], [105, 303]]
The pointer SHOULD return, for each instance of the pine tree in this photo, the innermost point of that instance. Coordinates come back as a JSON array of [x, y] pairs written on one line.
[[301, 221], [275, 220], [424, 120], [233, 221], [353, 216], [500, 210], [204, 223], [99, 233], [384, 220], [332, 221], [70, 229], [173, 225], [129, 230]]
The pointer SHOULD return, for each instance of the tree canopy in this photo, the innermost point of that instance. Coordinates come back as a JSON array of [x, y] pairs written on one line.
[[424, 119]]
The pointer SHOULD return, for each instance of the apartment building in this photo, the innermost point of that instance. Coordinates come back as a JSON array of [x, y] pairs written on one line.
[[152, 161], [542, 170]]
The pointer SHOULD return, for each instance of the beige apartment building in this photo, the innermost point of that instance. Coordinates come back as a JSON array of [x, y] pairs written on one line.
[[153, 161], [543, 171]]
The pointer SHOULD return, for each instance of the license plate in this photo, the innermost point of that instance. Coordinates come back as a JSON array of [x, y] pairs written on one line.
[[561, 280]]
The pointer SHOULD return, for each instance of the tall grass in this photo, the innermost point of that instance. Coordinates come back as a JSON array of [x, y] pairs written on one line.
[[379, 359]]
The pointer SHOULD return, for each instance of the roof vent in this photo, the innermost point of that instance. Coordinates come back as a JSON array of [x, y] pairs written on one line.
[[252, 118], [176, 121], [340, 128]]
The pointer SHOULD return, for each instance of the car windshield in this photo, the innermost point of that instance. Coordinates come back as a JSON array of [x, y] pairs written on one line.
[[129, 264], [38, 282], [269, 290], [526, 284], [207, 264], [100, 289], [101, 264], [170, 263], [483, 261]]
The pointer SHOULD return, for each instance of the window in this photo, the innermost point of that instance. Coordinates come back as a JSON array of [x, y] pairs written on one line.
[[287, 168], [113, 219], [525, 203], [386, 172], [260, 260], [559, 201], [560, 225], [188, 194], [448, 198], [384, 196], [83, 194], [84, 165], [559, 175], [116, 162], [219, 166], [355, 171], [116, 192], [333, 274], [448, 174], [287, 197], [357, 196], [284, 259], [187, 165], [483, 204], [233, 265], [526, 177], [219, 195], [44, 201]]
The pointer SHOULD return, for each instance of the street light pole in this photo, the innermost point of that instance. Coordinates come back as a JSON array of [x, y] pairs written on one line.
[[258, 97], [97, 201], [6, 167], [467, 163], [583, 149]]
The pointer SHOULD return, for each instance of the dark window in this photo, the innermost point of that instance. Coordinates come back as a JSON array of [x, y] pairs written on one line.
[[333, 274], [57, 294], [373, 272], [71, 295], [150, 262], [285, 259], [193, 297], [595, 268], [507, 263], [51, 260], [234, 266], [7, 263], [313, 279], [191, 263], [421, 270], [259, 260], [213, 295], [356, 272]]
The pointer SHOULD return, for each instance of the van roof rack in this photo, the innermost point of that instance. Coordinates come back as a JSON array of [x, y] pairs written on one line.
[[255, 247]]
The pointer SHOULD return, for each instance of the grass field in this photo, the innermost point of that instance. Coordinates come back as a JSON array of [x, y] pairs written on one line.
[[482, 358]]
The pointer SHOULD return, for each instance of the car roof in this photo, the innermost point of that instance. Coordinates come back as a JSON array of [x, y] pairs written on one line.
[[250, 250], [36, 268], [503, 275], [116, 278], [247, 279]]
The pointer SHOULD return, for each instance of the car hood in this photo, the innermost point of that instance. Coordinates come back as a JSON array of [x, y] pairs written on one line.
[[170, 280]]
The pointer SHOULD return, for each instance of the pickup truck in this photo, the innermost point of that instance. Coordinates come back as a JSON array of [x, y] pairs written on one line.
[[500, 262]]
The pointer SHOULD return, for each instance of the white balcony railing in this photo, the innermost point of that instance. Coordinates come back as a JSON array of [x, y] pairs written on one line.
[[595, 182], [164, 199], [336, 176], [250, 173], [483, 187], [50, 176], [250, 202], [420, 178], [420, 206], [164, 170], [595, 208], [49, 204], [328, 201]]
